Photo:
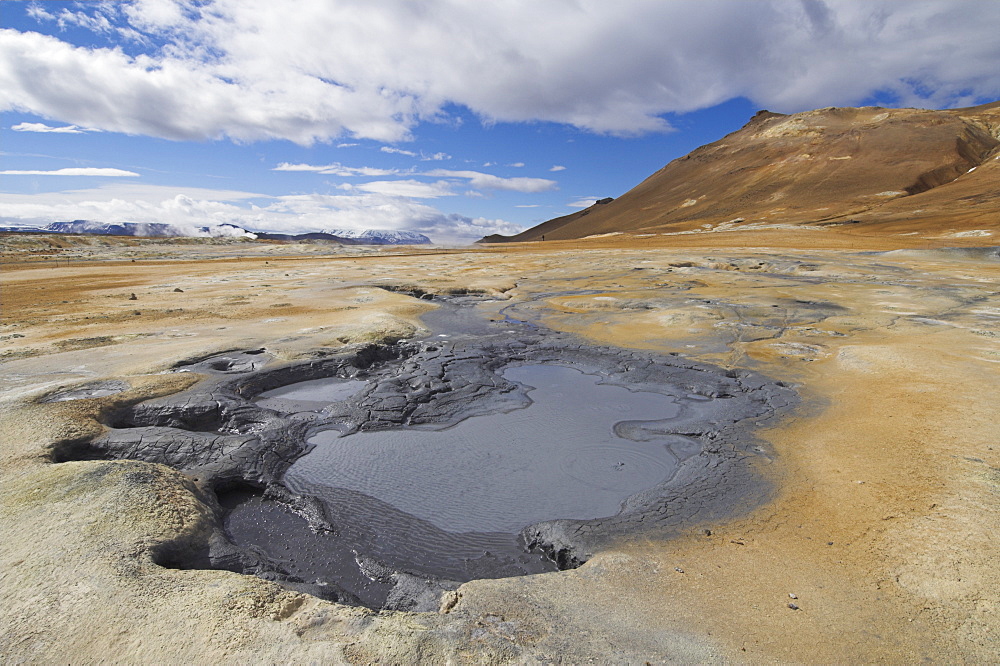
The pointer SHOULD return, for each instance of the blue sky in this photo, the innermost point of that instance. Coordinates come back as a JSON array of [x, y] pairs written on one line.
[[455, 119]]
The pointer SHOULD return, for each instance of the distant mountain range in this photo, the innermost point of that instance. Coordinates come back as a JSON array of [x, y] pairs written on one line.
[[149, 230], [380, 236], [161, 230], [864, 170], [312, 236]]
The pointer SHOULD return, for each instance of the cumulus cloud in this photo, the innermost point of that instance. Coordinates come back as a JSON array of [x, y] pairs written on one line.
[[379, 211], [43, 128], [490, 182], [75, 171], [253, 69], [195, 207]]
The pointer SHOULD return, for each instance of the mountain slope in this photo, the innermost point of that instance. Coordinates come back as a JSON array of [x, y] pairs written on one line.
[[888, 169]]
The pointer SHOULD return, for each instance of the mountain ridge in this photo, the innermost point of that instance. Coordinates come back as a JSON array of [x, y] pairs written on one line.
[[165, 230], [381, 236], [889, 171]]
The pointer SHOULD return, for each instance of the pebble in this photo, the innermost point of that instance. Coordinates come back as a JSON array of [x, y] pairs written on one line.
[[793, 606], [791, 595]]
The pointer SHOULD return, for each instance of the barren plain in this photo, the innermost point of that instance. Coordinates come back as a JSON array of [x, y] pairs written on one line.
[[876, 544]]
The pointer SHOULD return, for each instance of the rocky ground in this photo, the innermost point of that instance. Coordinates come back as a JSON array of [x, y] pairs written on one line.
[[876, 545]]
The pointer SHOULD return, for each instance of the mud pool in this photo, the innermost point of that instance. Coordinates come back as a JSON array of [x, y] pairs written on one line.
[[384, 475], [308, 396], [558, 457]]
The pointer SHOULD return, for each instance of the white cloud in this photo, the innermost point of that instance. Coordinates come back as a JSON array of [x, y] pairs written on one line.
[[397, 151], [43, 128], [407, 188], [434, 157], [378, 211], [75, 171], [285, 166], [336, 169], [585, 202], [527, 205], [557, 167], [253, 69], [137, 204], [347, 145], [417, 189], [489, 182], [194, 207], [516, 164]]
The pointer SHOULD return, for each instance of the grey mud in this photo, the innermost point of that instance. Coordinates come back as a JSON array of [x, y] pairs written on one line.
[[361, 476]]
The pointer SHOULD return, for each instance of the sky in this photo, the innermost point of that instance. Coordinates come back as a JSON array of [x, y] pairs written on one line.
[[452, 118]]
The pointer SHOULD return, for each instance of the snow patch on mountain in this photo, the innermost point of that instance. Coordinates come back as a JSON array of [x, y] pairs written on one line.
[[150, 229], [381, 236]]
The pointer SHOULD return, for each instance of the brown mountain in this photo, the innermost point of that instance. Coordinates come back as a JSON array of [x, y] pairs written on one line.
[[895, 171]]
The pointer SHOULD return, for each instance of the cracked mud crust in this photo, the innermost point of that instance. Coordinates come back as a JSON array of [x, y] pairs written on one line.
[[880, 518]]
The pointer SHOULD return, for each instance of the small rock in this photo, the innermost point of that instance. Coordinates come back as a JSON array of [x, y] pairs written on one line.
[[178, 290], [448, 601], [791, 595], [133, 297], [793, 606], [678, 570]]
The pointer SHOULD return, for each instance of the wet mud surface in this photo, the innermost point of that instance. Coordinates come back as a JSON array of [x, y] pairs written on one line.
[[556, 456], [256, 431]]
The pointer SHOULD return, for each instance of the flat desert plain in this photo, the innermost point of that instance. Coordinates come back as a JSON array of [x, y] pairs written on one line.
[[877, 543]]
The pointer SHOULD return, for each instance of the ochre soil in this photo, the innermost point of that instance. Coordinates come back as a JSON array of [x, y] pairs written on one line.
[[886, 477]]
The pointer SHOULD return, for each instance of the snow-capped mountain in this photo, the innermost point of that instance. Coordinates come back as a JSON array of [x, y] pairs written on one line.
[[381, 236], [151, 229], [163, 230]]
